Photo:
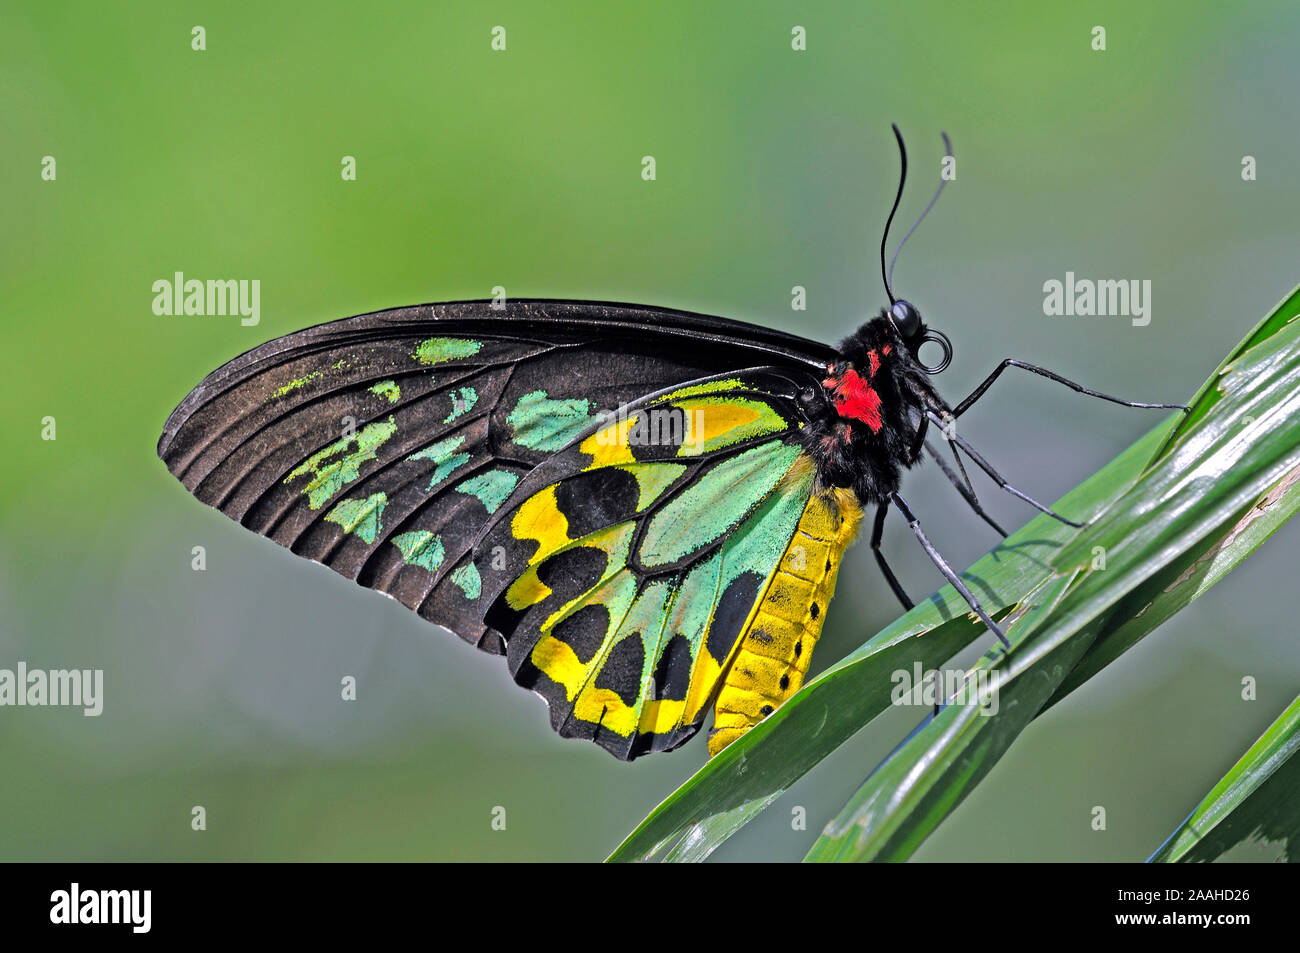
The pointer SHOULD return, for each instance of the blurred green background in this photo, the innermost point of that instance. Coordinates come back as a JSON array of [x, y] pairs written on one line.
[[523, 169]]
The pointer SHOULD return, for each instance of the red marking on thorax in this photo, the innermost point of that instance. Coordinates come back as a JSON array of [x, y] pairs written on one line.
[[855, 398]]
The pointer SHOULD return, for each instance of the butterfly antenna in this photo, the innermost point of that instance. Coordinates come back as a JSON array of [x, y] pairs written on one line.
[[902, 179], [947, 145]]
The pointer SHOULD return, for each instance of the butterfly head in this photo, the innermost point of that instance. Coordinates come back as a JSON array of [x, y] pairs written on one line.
[[876, 393], [906, 321]]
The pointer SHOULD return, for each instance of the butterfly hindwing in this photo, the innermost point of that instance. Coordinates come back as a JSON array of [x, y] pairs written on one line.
[[625, 568]]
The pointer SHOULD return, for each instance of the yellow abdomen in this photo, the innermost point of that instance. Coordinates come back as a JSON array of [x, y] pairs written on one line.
[[775, 650]]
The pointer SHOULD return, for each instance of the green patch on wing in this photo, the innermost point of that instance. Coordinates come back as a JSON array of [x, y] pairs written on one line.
[[546, 425], [438, 350], [462, 402], [294, 384], [753, 549], [335, 467], [387, 389], [491, 488], [652, 479], [445, 458], [709, 387], [756, 547], [761, 542], [360, 517], [468, 580], [421, 548], [711, 507]]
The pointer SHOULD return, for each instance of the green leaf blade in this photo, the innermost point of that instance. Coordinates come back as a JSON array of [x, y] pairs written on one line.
[[732, 788], [1257, 797]]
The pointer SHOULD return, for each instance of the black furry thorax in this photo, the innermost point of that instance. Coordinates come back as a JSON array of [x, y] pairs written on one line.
[[870, 420]]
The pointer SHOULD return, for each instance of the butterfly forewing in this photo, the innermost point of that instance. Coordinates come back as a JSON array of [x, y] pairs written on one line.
[[383, 445]]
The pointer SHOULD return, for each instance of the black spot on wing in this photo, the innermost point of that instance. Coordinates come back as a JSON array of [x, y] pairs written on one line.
[[731, 614], [568, 574], [572, 572], [672, 676], [657, 433], [503, 619], [621, 672], [592, 501], [584, 631], [647, 743]]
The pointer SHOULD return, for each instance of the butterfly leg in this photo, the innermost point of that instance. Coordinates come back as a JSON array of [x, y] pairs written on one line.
[[999, 479], [963, 486], [944, 568], [978, 392], [876, 532]]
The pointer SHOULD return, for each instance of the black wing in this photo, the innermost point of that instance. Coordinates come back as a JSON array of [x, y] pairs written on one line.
[[381, 445]]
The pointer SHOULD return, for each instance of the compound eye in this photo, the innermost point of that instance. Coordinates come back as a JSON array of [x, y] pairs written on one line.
[[906, 318]]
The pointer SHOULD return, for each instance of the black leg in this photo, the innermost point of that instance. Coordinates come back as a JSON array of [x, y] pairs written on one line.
[[948, 426], [1001, 481], [876, 533], [978, 392], [963, 486], [915, 450], [944, 568]]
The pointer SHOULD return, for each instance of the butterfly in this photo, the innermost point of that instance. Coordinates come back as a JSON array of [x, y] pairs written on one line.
[[644, 510]]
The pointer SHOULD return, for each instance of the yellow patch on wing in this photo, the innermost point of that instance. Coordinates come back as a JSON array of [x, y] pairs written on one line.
[[704, 679], [527, 590], [602, 706], [539, 518], [560, 663], [609, 445], [710, 420], [660, 717]]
